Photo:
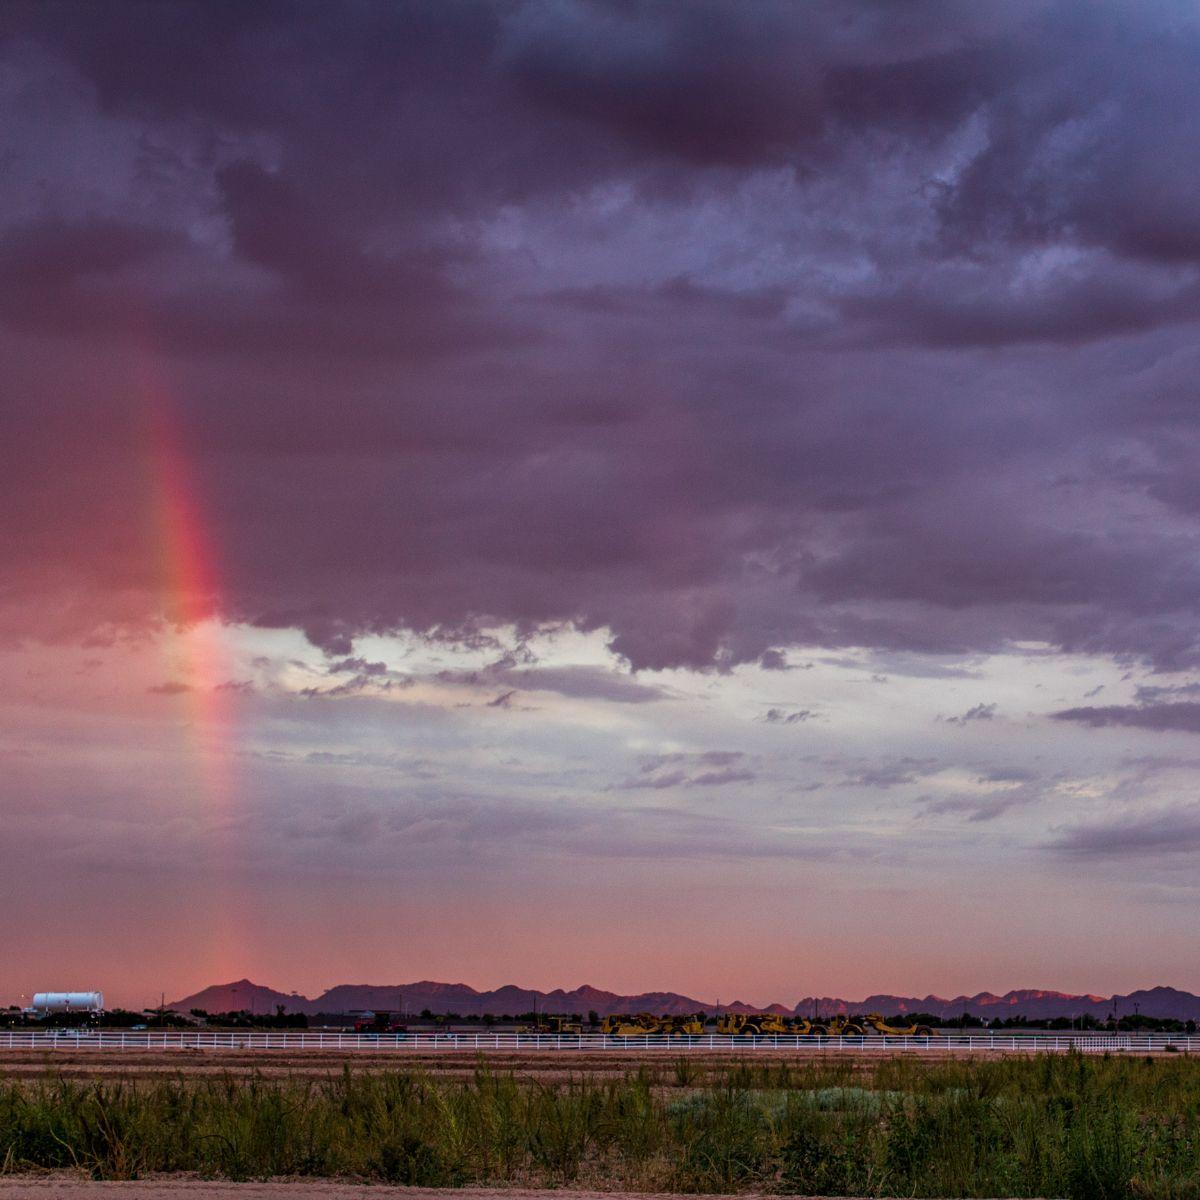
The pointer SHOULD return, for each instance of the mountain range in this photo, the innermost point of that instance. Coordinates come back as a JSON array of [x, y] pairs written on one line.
[[467, 1001]]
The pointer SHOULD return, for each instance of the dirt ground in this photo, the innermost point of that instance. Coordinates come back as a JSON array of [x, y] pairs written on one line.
[[545, 1065]]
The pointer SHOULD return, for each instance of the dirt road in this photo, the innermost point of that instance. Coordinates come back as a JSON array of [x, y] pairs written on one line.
[[174, 1189]]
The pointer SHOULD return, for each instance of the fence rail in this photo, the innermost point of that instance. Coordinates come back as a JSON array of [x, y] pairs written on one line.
[[294, 1040]]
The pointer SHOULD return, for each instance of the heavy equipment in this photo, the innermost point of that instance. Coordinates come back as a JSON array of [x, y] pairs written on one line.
[[881, 1026], [553, 1024], [625, 1025], [682, 1026], [844, 1027], [379, 1022], [753, 1024]]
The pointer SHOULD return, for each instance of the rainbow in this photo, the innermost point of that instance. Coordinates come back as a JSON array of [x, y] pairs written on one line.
[[197, 657]]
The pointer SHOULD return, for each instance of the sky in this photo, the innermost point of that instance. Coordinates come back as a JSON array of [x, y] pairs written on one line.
[[666, 496]]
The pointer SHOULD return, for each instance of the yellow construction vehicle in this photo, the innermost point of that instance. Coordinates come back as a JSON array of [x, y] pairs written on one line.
[[844, 1027], [624, 1025], [803, 1027], [553, 1024], [752, 1024], [677, 1026], [877, 1023]]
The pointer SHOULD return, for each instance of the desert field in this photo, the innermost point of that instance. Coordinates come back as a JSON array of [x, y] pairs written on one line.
[[761, 1122]]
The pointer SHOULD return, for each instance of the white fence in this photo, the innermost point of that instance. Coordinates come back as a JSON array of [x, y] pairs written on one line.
[[297, 1040]]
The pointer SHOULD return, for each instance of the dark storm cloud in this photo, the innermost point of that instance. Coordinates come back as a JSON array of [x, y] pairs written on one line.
[[980, 305], [724, 328], [317, 296], [1100, 144], [717, 84], [54, 272]]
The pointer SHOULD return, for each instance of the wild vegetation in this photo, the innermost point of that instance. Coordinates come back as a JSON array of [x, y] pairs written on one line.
[[1055, 1125]]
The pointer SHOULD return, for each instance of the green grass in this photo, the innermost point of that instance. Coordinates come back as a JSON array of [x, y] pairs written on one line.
[[1070, 1126]]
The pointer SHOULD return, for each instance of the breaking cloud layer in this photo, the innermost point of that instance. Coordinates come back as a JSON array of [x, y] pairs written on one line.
[[425, 788], [721, 328]]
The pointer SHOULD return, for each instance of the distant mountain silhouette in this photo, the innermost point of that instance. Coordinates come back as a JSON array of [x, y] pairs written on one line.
[[439, 998], [467, 1001]]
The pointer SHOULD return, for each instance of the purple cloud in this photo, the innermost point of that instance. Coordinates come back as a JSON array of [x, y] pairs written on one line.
[[585, 683], [1182, 716], [781, 716], [1152, 834], [891, 774], [707, 768], [977, 712], [562, 316]]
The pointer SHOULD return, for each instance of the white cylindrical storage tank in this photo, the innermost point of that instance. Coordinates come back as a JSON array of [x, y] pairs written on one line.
[[61, 1002]]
